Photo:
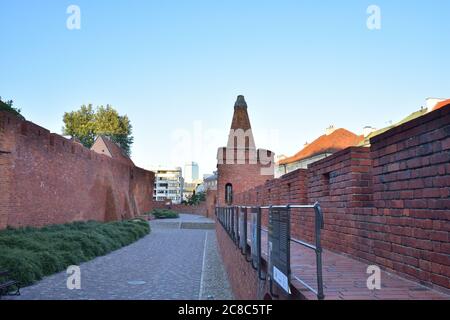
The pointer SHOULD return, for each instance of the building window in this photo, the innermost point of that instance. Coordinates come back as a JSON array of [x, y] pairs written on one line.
[[229, 194]]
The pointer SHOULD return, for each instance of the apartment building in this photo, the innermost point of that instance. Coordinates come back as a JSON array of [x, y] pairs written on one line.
[[168, 184]]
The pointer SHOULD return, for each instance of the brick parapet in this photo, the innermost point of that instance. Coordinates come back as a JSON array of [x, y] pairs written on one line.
[[388, 204]]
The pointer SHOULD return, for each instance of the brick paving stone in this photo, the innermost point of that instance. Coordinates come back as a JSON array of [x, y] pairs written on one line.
[[345, 277]]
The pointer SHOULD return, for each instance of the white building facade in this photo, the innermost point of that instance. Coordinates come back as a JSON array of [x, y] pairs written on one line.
[[168, 184], [210, 182]]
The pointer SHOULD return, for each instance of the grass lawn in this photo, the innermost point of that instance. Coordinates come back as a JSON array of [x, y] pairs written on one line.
[[31, 253], [164, 214]]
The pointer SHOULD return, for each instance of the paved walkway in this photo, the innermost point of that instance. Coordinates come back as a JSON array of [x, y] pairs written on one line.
[[178, 260], [345, 278]]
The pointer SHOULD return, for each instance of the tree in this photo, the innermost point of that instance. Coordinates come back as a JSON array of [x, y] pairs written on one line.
[[86, 124], [80, 124], [196, 198], [8, 106], [108, 122]]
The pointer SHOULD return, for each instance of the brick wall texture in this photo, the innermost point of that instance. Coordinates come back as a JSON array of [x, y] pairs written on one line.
[[211, 202], [243, 278], [388, 204], [241, 171], [199, 209], [47, 179]]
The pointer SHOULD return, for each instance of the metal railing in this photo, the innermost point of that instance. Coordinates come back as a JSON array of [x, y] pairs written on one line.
[[234, 220]]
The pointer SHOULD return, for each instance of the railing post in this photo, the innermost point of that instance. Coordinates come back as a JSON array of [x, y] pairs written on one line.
[[236, 226], [226, 220], [318, 227], [258, 241], [230, 214], [233, 223]]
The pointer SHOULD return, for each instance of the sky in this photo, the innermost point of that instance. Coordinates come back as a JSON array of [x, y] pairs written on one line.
[[176, 67]]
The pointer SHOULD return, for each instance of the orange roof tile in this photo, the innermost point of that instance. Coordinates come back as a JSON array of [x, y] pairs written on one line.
[[441, 104], [337, 140]]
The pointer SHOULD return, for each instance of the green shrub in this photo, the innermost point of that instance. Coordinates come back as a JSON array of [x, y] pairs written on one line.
[[31, 253], [164, 214]]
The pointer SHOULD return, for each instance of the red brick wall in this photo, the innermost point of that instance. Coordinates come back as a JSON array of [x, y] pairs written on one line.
[[199, 209], [241, 173], [47, 179], [241, 176], [6, 166], [342, 184], [411, 176], [211, 201], [243, 279], [388, 205]]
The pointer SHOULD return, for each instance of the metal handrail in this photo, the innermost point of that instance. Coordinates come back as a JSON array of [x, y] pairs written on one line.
[[305, 244], [228, 220]]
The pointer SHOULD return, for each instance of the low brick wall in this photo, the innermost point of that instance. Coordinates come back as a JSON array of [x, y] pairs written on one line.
[[211, 202], [243, 278], [200, 209]]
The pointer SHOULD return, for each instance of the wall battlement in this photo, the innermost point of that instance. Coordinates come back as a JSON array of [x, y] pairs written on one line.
[[43, 138], [227, 155]]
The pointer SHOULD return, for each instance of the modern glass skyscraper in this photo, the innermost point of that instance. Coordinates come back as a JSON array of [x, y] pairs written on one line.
[[191, 172]]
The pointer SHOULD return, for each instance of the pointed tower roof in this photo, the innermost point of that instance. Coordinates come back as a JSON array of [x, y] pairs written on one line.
[[241, 135], [240, 116]]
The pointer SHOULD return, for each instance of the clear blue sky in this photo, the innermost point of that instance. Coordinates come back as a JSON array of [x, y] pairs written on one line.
[[167, 64]]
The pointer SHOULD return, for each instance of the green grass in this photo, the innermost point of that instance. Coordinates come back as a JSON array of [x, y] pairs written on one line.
[[31, 253], [164, 214]]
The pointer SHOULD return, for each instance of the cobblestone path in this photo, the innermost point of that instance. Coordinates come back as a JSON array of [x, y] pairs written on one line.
[[170, 263]]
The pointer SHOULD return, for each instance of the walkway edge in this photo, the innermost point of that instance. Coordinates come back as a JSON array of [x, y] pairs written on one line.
[[200, 293]]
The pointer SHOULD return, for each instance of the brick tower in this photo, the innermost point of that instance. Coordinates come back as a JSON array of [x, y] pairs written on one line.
[[240, 165]]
